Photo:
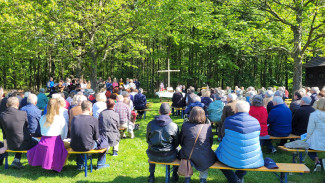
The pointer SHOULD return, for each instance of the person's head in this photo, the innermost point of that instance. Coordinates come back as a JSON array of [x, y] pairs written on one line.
[[125, 94], [121, 80], [196, 99], [231, 97], [13, 102], [297, 95], [51, 78], [140, 90], [119, 98], [279, 93], [206, 93], [127, 101], [242, 106], [178, 89], [81, 99], [320, 104], [115, 90], [277, 100], [257, 100], [269, 94], [164, 109], [321, 94], [52, 110], [100, 97], [114, 80], [305, 100], [32, 99], [110, 103], [314, 90], [86, 107], [42, 90], [197, 115], [61, 102], [191, 89], [27, 93], [131, 80]]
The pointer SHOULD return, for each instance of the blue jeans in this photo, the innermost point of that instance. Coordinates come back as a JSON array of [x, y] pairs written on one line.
[[234, 177], [101, 158]]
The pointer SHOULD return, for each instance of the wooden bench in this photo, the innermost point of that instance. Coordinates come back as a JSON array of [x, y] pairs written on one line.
[[291, 136], [178, 109], [295, 152], [70, 151], [145, 112], [284, 169]]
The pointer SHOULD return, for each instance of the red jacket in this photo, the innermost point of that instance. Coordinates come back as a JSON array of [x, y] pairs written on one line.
[[260, 113]]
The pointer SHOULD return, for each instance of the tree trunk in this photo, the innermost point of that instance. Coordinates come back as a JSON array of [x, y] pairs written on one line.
[[297, 53]]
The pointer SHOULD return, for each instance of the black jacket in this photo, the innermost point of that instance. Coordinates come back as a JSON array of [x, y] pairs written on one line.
[[178, 100], [300, 119], [294, 106], [162, 136], [14, 125], [203, 156]]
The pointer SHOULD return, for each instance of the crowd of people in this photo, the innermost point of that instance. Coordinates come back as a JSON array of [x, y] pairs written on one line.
[[73, 116], [70, 116], [245, 120]]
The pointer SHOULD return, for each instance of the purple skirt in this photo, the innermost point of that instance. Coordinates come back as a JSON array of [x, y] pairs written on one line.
[[48, 153]]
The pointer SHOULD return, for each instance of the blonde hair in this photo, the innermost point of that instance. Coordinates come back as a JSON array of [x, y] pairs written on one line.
[[61, 102], [206, 93], [100, 97], [52, 110], [320, 104]]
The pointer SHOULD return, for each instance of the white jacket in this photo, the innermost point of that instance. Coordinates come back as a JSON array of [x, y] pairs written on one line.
[[316, 130]]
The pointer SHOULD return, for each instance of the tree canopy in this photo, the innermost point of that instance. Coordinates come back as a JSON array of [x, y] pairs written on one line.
[[215, 42]]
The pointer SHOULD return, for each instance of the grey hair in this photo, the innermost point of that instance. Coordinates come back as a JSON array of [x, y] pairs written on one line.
[[31, 99], [140, 90], [178, 89], [269, 94], [197, 99], [278, 93], [232, 96], [42, 90], [278, 100], [315, 89], [125, 94], [257, 100], [119, 98], [100, 97], [307, 100], [191, 89], [81, 99], [242, 106]]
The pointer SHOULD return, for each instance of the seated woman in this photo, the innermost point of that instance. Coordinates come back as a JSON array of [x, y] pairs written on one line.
[[316, 133], [178, 100], [50, 152], [215, 110], [196, 102], [205, 99], [100, 105], [202, 156]]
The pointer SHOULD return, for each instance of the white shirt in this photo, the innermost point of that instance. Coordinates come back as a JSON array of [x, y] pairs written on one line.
[[58, 127], [64, 112], [98, 108]]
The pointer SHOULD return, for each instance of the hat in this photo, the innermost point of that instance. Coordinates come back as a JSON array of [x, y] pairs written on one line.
[[164, 108], [270, 164]]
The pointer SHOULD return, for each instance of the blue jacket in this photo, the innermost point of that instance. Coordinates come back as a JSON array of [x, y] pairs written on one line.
[[139, 101], [195, 104], [279, 121], [206, 101], [33, 116], [42, 101], [240, 147]]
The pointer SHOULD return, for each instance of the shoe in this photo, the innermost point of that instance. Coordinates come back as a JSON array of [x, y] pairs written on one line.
[[187, 180], [17, 165], [80, 167], [318, 167], [273, 150], [323, 162], [102, 166], [115, 153], [241, 180], [203, 180], [151, 179], [175, 177]]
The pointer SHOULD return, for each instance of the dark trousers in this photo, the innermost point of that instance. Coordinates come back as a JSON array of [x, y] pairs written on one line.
[[312, 155], [267, 143], [31, 145], [234, 176], [152, 168]]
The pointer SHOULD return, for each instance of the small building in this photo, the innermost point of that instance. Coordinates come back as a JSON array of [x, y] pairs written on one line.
[[315, 72]]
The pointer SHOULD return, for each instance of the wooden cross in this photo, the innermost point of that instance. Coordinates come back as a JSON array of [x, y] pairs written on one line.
[[169, 73]]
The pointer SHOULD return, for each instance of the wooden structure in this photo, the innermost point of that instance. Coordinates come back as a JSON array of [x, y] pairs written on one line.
[[315, 72]]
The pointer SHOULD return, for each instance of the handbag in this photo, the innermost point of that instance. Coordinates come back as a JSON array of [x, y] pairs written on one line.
[[185, 167]]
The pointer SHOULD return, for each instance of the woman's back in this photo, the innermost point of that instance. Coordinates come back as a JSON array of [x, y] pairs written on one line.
[[316, 130], [58, 127]]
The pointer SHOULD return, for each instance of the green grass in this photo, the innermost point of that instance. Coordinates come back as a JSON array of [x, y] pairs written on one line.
[[131, 165]]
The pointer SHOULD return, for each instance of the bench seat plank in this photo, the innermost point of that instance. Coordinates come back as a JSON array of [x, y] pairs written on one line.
[[70, 151], [283, 167], [297, 150], [291, 136]]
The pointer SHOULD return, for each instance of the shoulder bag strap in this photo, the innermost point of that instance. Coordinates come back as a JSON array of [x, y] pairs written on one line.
[[195, 142]]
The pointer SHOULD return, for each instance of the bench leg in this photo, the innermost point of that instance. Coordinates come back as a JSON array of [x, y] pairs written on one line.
[[91, 163], [85, 161], [173, 111], [167, 173], [300, 157], [6, 161], [182, 114], [284, 177]]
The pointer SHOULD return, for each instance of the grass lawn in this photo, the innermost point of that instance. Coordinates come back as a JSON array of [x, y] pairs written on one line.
[[131, 165]]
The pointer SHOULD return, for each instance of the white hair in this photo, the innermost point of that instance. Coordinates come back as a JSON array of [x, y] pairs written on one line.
[[119, 98], [242, 106], [315, 89], [100, 97], [196, 98], [81, 99], [278, 100], [178, 89], [307, 100], [32, 99], [140, 90], [26, 94], [232, 96]]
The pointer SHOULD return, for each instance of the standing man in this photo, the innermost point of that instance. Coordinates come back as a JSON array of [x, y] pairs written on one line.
[[33, 115], [162, 138], [50, 84], [14, 125]]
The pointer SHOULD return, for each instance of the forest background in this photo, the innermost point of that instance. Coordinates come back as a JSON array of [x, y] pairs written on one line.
[[215, 42]]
